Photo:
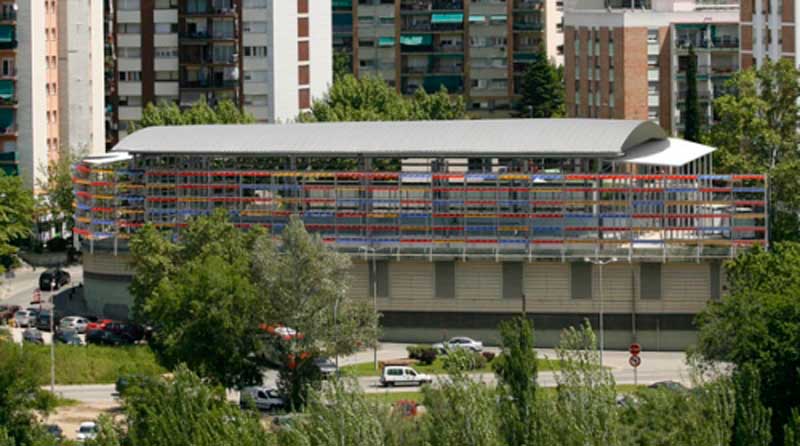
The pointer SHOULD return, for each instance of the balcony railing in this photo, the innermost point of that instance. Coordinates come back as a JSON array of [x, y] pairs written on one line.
[[725, 43], [8, 16], [423, 5], [210, 84]]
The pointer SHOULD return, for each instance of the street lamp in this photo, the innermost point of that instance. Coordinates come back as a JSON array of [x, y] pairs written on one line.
[[601, 264], [366, 250]]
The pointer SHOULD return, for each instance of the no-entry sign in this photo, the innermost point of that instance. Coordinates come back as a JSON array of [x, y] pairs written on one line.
[[635, 349]]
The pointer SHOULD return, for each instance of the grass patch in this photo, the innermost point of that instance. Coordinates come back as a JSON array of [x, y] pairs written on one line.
[[393, 397], [94, 364], [437, 368], [60, 401]]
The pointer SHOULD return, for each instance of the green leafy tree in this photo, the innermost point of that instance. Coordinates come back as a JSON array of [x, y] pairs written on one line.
[[542, 91], [756, 132], [586, 401], [183, 410], [516, 371], [16, 211], [169, 114], [342, 65], [58, 197], [21, 397], [691, 110], [758, 325], [752, 421], [792, 430], [371, 99]]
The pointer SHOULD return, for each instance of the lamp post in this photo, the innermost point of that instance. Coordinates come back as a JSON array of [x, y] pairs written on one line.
[[601, 264], [374, 287]]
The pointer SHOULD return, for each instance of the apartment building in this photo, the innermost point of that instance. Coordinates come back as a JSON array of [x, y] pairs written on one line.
[[271, 57], [478, 48], [768, 31], [628, 61]]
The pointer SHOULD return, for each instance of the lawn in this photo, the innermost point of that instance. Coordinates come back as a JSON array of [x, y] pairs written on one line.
[[95, 364], [437, 368]]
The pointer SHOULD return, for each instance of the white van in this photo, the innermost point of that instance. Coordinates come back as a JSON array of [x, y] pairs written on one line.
[[263, 398], [399, 375]]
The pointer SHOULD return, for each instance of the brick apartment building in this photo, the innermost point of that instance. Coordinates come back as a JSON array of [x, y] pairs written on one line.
[[625, 62], [768, 31]]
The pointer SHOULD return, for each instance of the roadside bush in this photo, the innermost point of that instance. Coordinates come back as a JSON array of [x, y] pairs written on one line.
[[415, 351], [464, 360], [428, 356], [489, 356]]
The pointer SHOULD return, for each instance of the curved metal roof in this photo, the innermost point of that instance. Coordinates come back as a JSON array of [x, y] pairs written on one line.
[[465, 138]]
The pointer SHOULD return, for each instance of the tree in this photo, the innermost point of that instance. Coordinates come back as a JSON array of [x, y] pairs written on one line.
[[756, 132], [691, 110], [21, 398], [233, 289], [792, 430], [542, 91], [59, 197], [16, 211], [371, 99], [758, 325], [751, 425], [182, 410], [342, 65], [516, 370], [168, 114]]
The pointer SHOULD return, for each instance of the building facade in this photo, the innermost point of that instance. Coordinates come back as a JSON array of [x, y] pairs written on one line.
[[630, 63], [768, 31], [477, 48], [270, 57], [447, 245]]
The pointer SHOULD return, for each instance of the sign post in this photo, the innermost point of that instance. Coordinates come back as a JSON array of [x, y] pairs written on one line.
[[635, 361]]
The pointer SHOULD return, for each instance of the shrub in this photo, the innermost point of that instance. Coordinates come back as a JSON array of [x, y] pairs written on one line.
[[427, 356], [464, 360], [488, 356], [415, 351]]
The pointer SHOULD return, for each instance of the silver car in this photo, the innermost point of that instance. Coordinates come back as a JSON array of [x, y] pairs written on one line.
[[459, 342], [76, 323], [25, 318]]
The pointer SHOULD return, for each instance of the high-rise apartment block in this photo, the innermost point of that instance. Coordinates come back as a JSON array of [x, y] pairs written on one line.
[[768, 31], [47, 77], [627, 59], [271, 57], [478, 48]]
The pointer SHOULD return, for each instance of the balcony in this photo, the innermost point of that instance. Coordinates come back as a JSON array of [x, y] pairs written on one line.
[[206, 35], [211, 84], [205, 8], [528, 4], [431, 5], [527, 26], [8, 95], [8, 16], [8, 38]]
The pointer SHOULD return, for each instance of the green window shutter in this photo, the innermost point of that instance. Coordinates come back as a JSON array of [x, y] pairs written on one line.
[[512, 280], [386, 41], [6, 118], [477, 19], [580, 279], [650, 281], [6, 89], [499, 17], [447, 18], [342, 19], [342, 3], [6, 33], [416, 40], [9, 170]]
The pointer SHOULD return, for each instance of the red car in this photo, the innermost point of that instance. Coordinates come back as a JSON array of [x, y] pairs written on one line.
[[100, 324]]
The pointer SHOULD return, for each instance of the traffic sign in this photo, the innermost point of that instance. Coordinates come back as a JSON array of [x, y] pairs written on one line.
[[635, 361], [635, 349]]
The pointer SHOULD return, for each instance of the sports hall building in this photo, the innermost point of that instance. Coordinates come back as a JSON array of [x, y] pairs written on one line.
[[453, 225]]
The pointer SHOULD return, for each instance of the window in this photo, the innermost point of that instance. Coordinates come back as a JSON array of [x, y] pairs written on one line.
[[166, 75], [129, 52], [257, 99], [166, 53], [255, 3], [8, 67], [255, 51], [128, 5], [652, 60], [130, 101], [366, 43], [223, 53], [581, 280], [166, 28], [128, 28], [379, 280], [255, 27], [650, 281], [445, 280], [652, 36], [255, 76], [166, 4], [512, 280], [130, 76]]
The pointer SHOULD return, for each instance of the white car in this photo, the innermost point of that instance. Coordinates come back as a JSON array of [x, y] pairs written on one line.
[[76, 323], [459, 342], [263, 398], [87, 431], [25, 318], [401, 375]]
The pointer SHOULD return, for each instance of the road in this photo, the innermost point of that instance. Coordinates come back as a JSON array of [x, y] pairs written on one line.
[[656, 366], [18, 290]]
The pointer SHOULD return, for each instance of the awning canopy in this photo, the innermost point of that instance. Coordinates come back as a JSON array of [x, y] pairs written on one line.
[[447, 18], [6, 33], [6, 89], [342, 3], [386, 41], [666, 152], [6, 118], [416, 40], [477, 19]]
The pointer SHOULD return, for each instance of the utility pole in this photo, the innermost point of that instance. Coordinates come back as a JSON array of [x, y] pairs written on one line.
[[52, 342], [374, 287], [601, 264]]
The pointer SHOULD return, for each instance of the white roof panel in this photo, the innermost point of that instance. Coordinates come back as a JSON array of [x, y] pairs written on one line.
[[666, 152]]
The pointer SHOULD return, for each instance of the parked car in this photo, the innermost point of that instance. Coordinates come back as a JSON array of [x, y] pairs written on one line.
[[103, 337], [53, 279], [76, 323], [669, 385], [54, 430], [262, 398], [87, 431], [69, 337], [99, 324], [43, 320], [127, 330], [33, 336], [326, 367], [401, 375], [8, 311], [25, 318], [459, 342]]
